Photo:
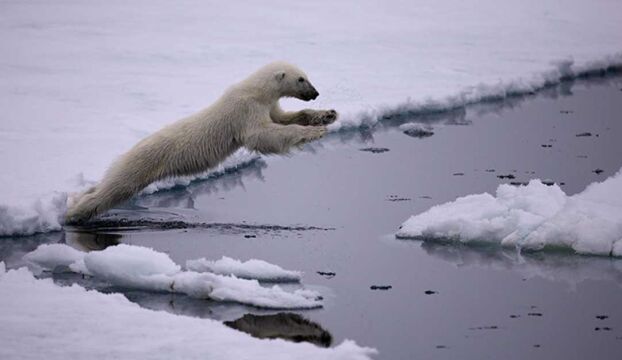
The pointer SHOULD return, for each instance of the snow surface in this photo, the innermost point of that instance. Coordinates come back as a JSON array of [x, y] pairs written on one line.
[[40, 319], [137, 267], [250, 269], [84, 81], [534, 216]]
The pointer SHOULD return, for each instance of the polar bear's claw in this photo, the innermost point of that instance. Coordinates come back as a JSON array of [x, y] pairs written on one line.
[[323, 117]]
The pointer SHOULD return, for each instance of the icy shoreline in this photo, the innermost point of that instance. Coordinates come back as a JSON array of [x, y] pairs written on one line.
[[563, 71], [46, 213]]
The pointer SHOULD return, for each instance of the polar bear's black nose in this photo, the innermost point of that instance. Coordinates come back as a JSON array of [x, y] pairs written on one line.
[[314, 94]]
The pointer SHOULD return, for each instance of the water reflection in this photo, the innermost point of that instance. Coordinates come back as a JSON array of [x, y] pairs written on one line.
[[260, 323], [183, 197], [13, 249], [90, 241], [563, 267], [287, 326]]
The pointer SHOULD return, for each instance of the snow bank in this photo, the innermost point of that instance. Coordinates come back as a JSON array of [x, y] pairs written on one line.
[[532, 217], [251, 269], [43, 214], [41, 319], [137, 267]]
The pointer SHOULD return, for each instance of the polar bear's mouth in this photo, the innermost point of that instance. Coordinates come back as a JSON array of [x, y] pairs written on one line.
[[312, 94]]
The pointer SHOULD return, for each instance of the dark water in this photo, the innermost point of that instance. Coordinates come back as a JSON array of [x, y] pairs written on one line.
[[335, 208]]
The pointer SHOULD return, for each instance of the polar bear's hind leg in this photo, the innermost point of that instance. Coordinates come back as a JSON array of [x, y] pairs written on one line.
[[113, 190]]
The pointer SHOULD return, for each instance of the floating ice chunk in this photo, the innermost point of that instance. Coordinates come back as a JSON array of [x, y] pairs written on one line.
[[143, 268], [251, 269], [533, 216], [132, 267], [230, 288], [417, 130], [42, 316], [483, 217], [590, 223], [136, 267], [50, 256]]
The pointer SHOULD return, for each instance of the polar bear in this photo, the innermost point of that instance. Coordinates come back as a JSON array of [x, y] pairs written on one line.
[[247, 114]]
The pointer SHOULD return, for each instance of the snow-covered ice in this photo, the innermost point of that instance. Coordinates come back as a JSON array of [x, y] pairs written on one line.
[[250, 269], [137, 267], [84, 81], [40, 318], [533, 217]]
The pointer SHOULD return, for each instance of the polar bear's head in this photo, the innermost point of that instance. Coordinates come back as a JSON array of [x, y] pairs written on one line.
[[293, 82], [285, 80]]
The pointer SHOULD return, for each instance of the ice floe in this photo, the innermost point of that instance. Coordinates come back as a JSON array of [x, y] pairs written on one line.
[[250, 269], [534, 216], [50, 256], [137, 267]]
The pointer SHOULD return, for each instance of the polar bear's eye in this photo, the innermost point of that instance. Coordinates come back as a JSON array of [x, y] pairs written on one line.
[[301, 79]]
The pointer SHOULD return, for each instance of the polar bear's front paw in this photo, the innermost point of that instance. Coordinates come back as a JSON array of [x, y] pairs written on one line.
[[323, 117], [312, 133]]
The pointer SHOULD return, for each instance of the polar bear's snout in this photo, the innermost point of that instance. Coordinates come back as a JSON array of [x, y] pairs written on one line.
[[310, 93]]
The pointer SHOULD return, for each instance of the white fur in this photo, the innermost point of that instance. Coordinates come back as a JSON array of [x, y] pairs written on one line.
[[247, 114]]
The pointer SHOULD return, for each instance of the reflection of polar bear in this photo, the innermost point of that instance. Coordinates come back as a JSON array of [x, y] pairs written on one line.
[[248, 114]]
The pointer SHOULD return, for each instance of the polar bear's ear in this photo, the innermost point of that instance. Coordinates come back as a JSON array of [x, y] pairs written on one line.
[[279, 75]]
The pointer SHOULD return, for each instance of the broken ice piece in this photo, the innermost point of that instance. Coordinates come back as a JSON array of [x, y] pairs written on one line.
[[381, 287]]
